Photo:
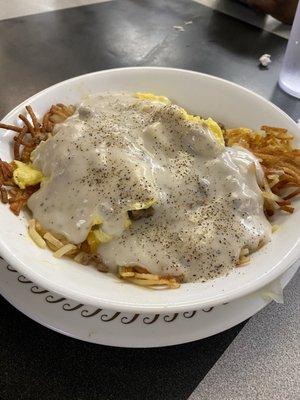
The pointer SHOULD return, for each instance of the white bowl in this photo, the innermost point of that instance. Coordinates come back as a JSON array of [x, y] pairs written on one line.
[[200, 94]]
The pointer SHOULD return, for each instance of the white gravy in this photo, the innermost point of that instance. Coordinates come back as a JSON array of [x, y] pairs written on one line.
[[116, 151]]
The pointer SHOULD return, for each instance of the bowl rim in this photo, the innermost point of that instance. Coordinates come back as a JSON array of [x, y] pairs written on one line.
[[257, 284]]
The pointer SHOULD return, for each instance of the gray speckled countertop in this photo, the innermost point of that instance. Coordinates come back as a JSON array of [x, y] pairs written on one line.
[[263, 361]]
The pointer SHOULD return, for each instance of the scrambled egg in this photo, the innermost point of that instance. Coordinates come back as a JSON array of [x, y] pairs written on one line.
[[96, 220], [212, 125], [127, 222], [152, 97], [26, 175], [143, 205], [215, 129], [96, 235]]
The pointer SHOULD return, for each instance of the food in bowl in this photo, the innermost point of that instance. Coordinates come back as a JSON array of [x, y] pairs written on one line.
[[135, 185]]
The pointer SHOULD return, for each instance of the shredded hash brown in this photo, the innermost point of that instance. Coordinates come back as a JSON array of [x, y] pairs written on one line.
[[280, 161], [141, 276], [26, 139], [272, 146]]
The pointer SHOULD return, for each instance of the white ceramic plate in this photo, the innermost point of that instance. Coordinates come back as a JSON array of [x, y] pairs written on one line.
[[200, 94], [114, 328]]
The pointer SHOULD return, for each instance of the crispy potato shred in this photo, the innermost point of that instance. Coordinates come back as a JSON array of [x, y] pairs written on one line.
[[26, 139], [244, 257], [279, 160], [272, 146], [141, 276], [61, 247]]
